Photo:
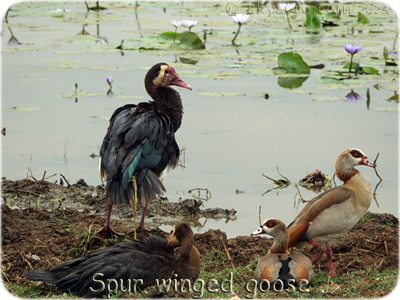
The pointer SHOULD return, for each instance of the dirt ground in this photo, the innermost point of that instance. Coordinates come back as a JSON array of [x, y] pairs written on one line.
[[38, 238]]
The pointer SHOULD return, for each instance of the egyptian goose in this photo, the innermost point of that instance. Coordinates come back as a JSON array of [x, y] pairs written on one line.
[[147, 259], [279, 263], [336, 211], [140, 143]]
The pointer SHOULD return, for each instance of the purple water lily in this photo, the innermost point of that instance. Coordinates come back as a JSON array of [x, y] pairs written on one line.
[[13, 42], [353, 97], [352, 50], [110, 79]]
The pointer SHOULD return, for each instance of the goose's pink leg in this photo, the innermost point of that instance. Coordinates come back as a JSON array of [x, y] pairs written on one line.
[[319, 252], [107, 228], [329, 254]]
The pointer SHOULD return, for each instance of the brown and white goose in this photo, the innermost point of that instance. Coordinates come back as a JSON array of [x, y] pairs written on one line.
[[336, 211], [279, 263]]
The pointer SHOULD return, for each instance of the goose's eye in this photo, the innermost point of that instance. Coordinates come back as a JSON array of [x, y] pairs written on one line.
[[166, 72]]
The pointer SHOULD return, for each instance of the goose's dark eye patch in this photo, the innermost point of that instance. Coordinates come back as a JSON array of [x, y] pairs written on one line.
[[356, 153], [271, 223], [166, 72]]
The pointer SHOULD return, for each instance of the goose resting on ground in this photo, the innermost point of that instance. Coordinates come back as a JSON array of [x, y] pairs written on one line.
[[279, 263], [146, 259]]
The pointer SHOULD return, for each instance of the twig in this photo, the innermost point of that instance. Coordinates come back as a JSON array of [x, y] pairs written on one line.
[[168, 211], [51, 251], [259, 215], [32, 174], [5, 275], [386, 248], [65, 180], [22, 255], [50, 176], [208, 194], [226, 250], [376, 172]]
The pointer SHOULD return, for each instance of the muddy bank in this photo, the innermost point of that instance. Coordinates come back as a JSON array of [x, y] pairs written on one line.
[[61, 194], [35, 238]]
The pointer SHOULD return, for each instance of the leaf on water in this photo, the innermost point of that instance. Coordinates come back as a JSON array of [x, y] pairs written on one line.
[[24, 25], [327, 79], [98, 117], [310, 92], [124, 97], [69, 52], [362, 19], [328, 98], [377, 86], [77, 95], [369, 70], [169, 35], [293, 63], [220, 94], [395, 98], [386, 108], [347, 66], [21, 108], [191, 40], [313, 17], [392, 87]]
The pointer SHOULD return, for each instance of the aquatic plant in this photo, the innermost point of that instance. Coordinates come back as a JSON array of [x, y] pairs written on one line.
[[240, 19], [352, 50], [176, 24], [286, 7], [110, 79], [353, 97], [189, 23]]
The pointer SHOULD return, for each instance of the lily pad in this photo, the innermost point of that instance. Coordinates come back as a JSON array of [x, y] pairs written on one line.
[[226, 94], [77, 95], [21, 108], [293, 63], [191, 40], [386, 108], [328, 98]]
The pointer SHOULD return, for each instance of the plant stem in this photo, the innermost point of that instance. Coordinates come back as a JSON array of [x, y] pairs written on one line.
[[351, 62], [176, 29], [395, 12], [87, 6], [233, 41], [6, 17], [287, 17]]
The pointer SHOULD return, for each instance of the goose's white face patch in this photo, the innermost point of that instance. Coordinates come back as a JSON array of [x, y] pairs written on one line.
[[159, 80]]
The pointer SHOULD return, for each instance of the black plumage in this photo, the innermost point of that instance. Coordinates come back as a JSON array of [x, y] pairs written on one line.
[[147, 259], [140, 142]]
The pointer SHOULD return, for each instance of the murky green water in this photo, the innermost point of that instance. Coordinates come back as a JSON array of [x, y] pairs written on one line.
[[230, 141]]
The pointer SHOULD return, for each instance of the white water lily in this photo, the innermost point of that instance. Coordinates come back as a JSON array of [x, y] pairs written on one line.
[[286, 6], [189, 23], [240, 18], [176, 23]]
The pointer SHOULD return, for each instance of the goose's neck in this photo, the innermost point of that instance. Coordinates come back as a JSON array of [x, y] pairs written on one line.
[[343, 172], [190, 255], [168, 101], [280, 244]]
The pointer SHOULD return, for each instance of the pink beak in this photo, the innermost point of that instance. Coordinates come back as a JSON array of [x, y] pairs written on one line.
[[176, 80], [366, 162]]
